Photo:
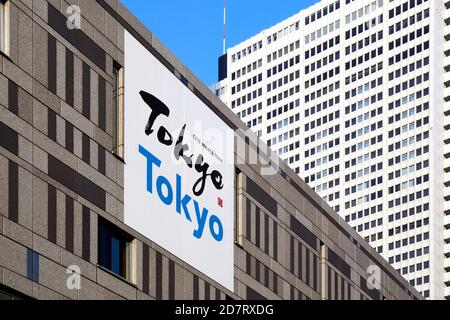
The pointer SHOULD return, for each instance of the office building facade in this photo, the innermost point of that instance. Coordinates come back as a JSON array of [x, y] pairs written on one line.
[[67, 84], [446, 154], [349, 95]]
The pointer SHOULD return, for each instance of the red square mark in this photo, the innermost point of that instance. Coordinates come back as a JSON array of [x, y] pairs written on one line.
[[220, 202]]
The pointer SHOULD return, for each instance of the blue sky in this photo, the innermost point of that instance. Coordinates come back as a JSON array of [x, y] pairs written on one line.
[[193, 30]]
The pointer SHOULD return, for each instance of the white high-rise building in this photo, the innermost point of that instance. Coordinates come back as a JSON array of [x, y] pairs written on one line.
[[350, 93], [446, 17]]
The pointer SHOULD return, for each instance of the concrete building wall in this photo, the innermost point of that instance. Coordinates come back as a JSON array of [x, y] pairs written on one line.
[[59, 178]]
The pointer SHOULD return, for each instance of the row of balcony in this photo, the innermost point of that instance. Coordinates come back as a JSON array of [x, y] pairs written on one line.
[[447, 152]]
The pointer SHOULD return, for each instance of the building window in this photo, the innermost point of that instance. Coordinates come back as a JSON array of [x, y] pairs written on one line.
[[115, 250], [118, 109], [4, 26], [7, 293], [32, 265]]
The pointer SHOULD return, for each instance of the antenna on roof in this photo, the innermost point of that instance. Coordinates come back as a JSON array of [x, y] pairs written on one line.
[[224, 26]]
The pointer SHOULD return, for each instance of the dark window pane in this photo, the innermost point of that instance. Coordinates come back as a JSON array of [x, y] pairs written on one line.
[[115, 255], [112, 248]]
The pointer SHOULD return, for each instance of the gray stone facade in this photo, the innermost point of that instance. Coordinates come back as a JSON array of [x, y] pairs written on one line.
[[58, 178]]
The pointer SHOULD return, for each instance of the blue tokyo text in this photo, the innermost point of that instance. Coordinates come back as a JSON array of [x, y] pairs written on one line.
[[184, 204]]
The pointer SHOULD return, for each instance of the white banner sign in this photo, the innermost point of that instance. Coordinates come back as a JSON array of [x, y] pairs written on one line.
[[179, 171]]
